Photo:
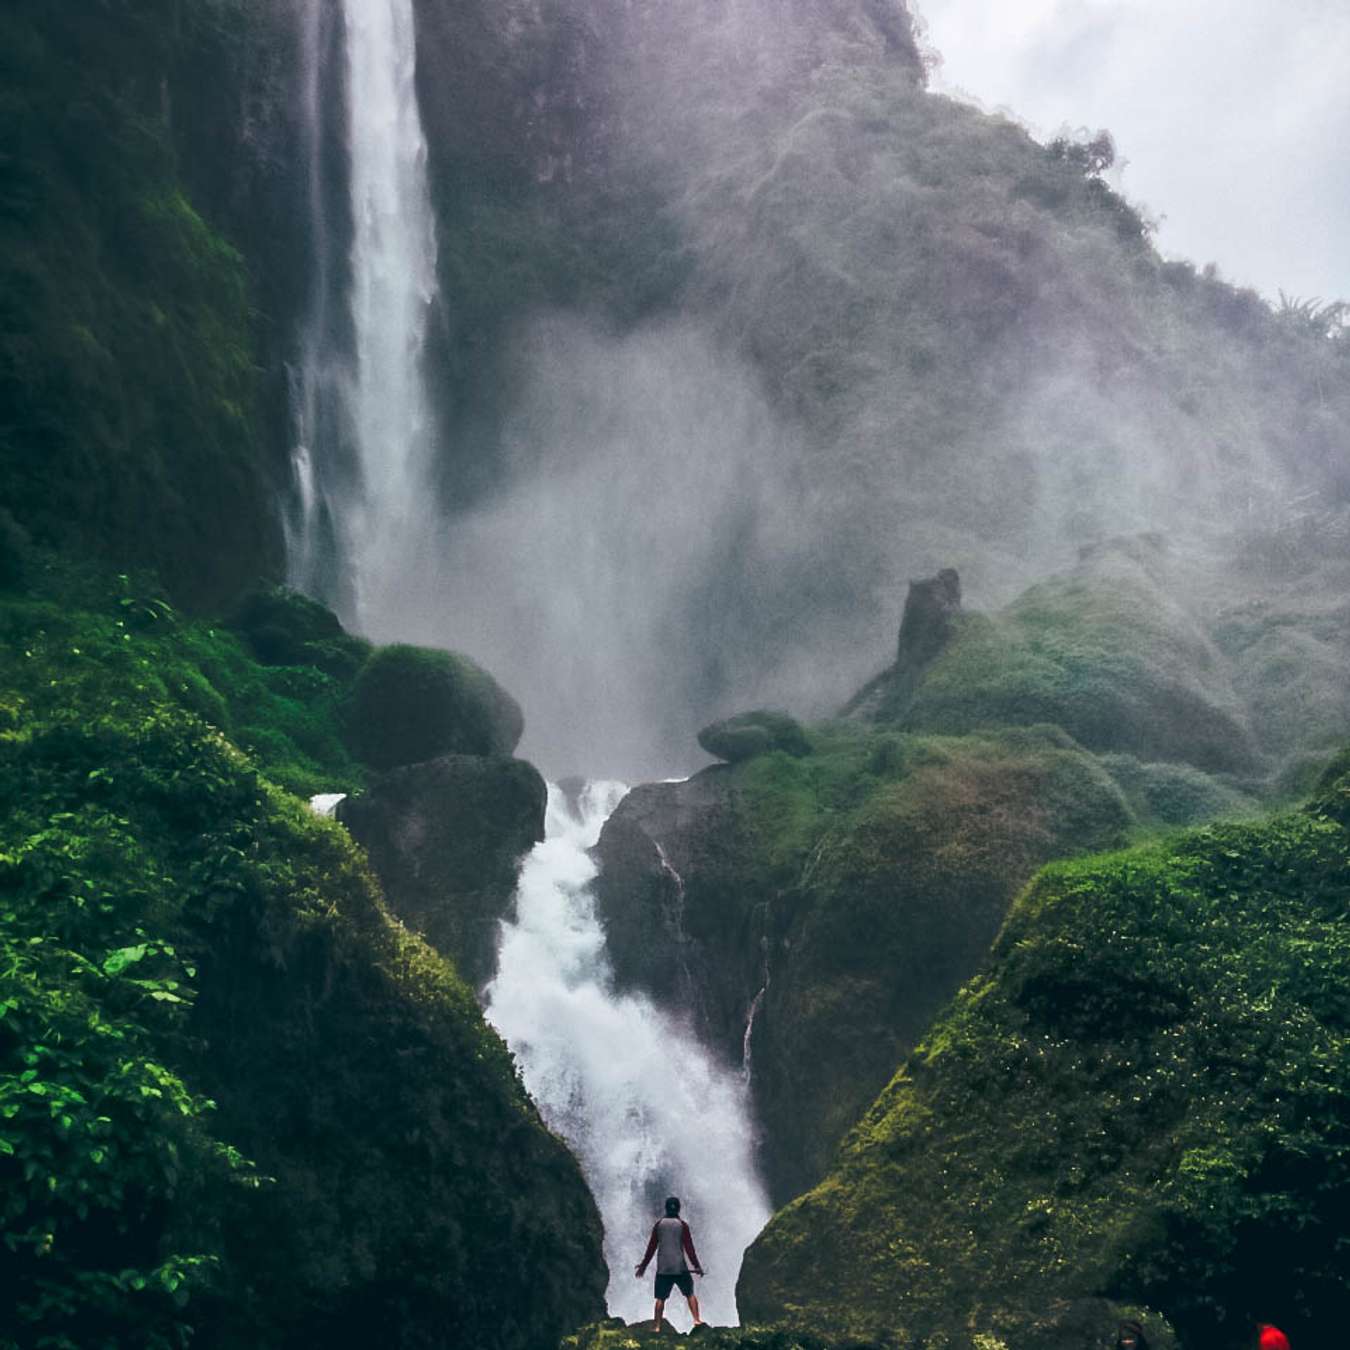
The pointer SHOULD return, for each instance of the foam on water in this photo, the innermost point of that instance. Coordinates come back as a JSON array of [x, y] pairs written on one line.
[[643, 1105]]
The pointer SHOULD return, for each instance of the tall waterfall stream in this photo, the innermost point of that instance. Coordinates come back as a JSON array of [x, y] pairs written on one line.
[[644, 1107], [642, 1104]]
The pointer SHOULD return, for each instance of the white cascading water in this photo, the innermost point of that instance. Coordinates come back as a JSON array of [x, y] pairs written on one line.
[[381, 520], [643, 1106]]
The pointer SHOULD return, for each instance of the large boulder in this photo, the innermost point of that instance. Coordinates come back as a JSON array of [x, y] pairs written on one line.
[[1111, 651], [445, 838], [411, 704]]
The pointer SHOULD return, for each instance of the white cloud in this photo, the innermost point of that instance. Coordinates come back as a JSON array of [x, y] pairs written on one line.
[[1233, 115]]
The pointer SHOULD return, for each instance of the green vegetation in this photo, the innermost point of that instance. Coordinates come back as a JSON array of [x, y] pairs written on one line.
[[236, 1098], [614, 1335], [128, 365], [895, 858], [1110, 659], [77, 644], [413, 703], [1142, 1097]]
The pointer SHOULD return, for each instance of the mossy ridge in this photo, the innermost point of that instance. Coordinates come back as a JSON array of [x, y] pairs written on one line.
[[200, 973], [1110, 659], [1139, 1097]]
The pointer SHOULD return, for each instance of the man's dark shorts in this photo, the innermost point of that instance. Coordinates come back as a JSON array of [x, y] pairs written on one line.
[[684, 1282]]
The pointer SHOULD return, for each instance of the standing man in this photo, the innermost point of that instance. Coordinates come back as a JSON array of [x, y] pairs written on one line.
[[671, 1242]]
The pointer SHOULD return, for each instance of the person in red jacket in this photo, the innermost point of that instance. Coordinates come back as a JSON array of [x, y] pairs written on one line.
[[671, 1243], [1271, 1338]]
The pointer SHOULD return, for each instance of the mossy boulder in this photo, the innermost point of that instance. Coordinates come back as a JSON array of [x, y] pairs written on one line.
[[415, 703], [1141, 1097], [1108, 653], [1163, 794], [754, 733]]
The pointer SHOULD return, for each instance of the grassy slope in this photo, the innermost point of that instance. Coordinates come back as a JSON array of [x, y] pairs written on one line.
[[234, 1095], [1143, 1096]]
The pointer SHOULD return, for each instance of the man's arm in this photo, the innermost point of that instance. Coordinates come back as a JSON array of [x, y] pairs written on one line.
[[649, 1253], [687, 1239]]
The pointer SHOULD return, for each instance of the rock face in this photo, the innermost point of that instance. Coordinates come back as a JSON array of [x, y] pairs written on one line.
[[413, 703], [928, 624], [683, 911], [446, 837], [811, 915]]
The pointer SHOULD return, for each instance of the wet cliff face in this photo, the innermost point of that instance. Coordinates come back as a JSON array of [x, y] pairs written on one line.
[[149, 228]]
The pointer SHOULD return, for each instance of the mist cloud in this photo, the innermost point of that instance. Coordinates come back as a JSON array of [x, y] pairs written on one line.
[[1231, 113]]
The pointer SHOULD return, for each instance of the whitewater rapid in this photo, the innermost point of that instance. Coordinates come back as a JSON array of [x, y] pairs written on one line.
[[644, 1107]]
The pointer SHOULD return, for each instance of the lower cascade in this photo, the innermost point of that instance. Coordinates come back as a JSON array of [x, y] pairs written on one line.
[[644, 1106]]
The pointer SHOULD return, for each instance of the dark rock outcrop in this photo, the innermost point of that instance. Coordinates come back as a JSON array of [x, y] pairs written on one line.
[[681, 905], [411, 704], [927, 626], [445, 838]]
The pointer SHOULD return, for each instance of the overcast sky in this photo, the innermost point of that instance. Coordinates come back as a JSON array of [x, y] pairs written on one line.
[[1233, 115]]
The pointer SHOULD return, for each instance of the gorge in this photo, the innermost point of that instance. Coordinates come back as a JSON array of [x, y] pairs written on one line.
[[619, 388]]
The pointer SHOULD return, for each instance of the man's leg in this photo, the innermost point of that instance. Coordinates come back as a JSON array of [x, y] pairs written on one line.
[[660, 1312], [693, 1308]]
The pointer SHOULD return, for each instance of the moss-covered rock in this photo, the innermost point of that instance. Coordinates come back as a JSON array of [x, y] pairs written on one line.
[[1141, 1098], [754, 733], [415, 703], [842, 897], [241, 1102], [1175, 794], [445, 838]]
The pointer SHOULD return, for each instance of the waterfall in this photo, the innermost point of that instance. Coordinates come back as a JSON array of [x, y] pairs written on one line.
[[643, 1106], [362, 423]]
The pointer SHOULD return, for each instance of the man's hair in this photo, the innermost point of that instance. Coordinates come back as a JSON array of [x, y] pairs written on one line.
[[672, 1206]]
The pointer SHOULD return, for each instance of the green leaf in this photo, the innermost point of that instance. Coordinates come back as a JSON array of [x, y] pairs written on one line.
[[116, 962]]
